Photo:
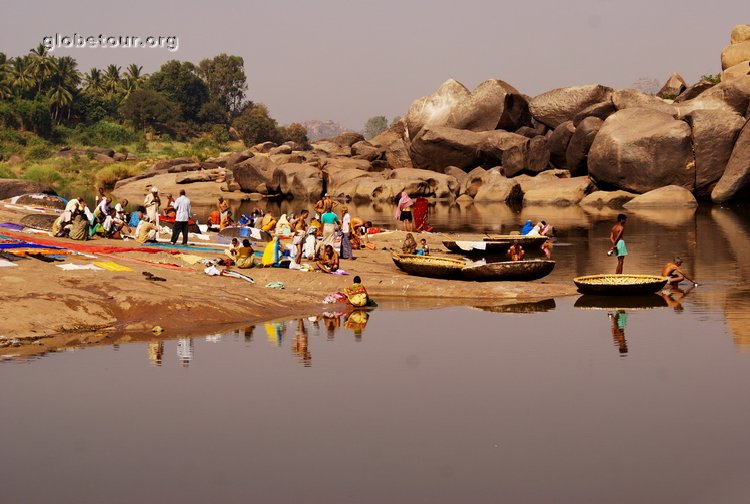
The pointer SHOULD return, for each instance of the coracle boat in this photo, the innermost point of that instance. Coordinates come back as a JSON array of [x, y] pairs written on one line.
[[493, 245], [509, 270], [644, 302], [445, 267], [620, 285], [429, 266]]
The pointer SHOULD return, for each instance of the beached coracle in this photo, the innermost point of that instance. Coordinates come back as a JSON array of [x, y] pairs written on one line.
[[444, 267], [428, 266], [493, 245], [620, 285], [509, 270]]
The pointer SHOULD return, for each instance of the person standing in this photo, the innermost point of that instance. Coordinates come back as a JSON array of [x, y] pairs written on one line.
[[181, 218], [152, 203], [403, 211], [618, 247]]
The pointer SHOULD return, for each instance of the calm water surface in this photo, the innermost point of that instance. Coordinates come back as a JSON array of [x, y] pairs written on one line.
[[564, 400]]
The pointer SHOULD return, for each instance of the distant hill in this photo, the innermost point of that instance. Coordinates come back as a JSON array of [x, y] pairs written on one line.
[[322, 129]]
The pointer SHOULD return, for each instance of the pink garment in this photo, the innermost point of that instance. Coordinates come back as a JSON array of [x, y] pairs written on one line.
[[403, 203]]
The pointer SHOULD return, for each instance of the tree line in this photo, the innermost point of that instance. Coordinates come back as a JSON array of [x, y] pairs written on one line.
[[39, 91]]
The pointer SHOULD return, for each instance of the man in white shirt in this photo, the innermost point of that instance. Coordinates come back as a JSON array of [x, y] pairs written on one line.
[[181, 218]]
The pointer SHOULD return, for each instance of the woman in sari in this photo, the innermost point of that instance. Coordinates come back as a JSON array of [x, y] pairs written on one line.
[[403, 211], [244, 258]]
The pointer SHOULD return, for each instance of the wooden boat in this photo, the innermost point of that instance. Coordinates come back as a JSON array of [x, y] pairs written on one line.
[[509, 270], [490, 246], [428, 266], [620, 285], [598, 302]]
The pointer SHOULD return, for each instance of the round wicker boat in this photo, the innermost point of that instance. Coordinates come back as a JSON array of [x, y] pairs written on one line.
[[595, 302], [428, 266], [523, 240], [509, 270], [620, 285], [39, 221], [489, 246]]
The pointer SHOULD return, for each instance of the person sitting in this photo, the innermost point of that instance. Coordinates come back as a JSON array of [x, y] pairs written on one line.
[[102, 209], [283, 226], [79, 227], [308, 247], [329, 261], [675, 273], [226, 220], [423, 249], [146, 231], [410, 245], [516, 252], [527, 227], [245, 255], [231, 252], [356, 294], [268, 222]]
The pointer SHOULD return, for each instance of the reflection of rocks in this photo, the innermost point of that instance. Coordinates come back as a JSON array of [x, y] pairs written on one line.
[[663, 197], [614, 199]]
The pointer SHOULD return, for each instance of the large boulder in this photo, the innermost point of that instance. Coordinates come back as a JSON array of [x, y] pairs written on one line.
[[332, 165], [339, 182], [365, 150], [601, 110], [693, 91], [17, 187], [330, 148], [734, 54], [639, 150], [631, 98], [663, 197], [714, 135], [558, 141], [560, 105], [576, 155], [497, 188], [496, 144], [347, 138], [736, 178], [168, 163], [249, 174], [234, 158], [738, 70], [473, 181], [740, 33], [531, 157], [732, 96], [442, 185], [494, 104], [673, 87], [282, 176], [611, 199], [437, 147], [395, 146], [304, 188], [562, 192], [542, 180]]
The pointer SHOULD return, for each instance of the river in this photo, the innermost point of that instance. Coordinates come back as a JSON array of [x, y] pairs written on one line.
[[561, 400]]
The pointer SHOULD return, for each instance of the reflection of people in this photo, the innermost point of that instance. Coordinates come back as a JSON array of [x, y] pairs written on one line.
[[332, 322], [356, 320], [516, 252], [619, 320], [618, 243], [300, 346], [185, 351], [675, 273], [155, 352], [673, 295]]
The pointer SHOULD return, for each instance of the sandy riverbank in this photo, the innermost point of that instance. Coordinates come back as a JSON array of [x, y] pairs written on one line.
[[46, 307]]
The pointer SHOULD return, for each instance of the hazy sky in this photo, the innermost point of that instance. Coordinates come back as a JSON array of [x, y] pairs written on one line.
[[348, 60]]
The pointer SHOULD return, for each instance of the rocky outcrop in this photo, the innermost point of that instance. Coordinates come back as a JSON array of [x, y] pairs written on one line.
[[714, 135], [576, 155], [17, 187], [673, 87], [253, 172], [437, 147], [168, 163], [639, 150], [395, 146], [562, 192], [560, 105], [531, 156], [494, 104], [663, 197], [611, 199], [601, 110], [736, 178], [731, 96], [740, 33], [632, 98], [497, 188], [738, 70], [441, 185], [558, 142], [734, 54]]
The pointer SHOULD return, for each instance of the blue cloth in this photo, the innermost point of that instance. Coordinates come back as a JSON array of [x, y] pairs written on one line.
[[329, 218], [527, 227], [182, 205], [133, 222], [620, 249]]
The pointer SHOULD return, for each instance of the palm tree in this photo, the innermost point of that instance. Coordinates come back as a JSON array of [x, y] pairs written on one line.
[[112, 79], [5, 66], [42, 65], [94, 82], [133, 78], [63, 86], [22, 78], [59, 97]]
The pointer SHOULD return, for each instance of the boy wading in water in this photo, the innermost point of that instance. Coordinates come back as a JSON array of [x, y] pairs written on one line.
[[618, 243]]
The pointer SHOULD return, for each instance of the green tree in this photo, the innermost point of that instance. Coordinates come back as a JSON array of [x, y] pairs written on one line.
[[255, 126], [180, 83], [134, 78], [224, 76], [112, 81], [147, 108], [296, 133], [375, 126], [93, 82], [22, 78], [63, 86], [42, 66]]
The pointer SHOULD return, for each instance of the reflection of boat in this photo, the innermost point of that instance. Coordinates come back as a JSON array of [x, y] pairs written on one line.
[[620, 285], [493, 245], [594, 302], [531, 307], [251, 233], [445, 267], [509, 270], [428, 266]]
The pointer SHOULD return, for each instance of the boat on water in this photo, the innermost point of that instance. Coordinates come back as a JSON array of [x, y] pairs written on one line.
[[620, 285], [495, 245], [509, 270], [445, 267]]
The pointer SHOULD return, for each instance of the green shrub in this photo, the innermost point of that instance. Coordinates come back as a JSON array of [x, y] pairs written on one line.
[[220, 134], [109, 175], [106, 134], [141, 146], [6, 172], [44, 174], [38, 152]]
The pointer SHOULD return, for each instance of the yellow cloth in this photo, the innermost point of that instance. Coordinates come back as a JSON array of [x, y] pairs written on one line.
[[269, 253], [112, 266], [189, 258]]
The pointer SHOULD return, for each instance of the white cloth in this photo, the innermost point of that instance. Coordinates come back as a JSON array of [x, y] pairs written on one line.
[[182, 205], [346, 223], [71, 267], [72, 205], [471, 245]]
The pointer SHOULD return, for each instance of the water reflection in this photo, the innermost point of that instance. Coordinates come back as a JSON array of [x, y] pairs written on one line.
[[544, 305], [185, 351], [618, 321], [155, 352]]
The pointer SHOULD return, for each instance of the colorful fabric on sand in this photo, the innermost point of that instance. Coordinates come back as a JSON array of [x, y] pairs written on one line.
[[11, 225], [75, 267], [271, 253], [112, 266]]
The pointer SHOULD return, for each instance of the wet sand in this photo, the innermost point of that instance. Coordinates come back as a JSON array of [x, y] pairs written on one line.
[[46, 307]]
